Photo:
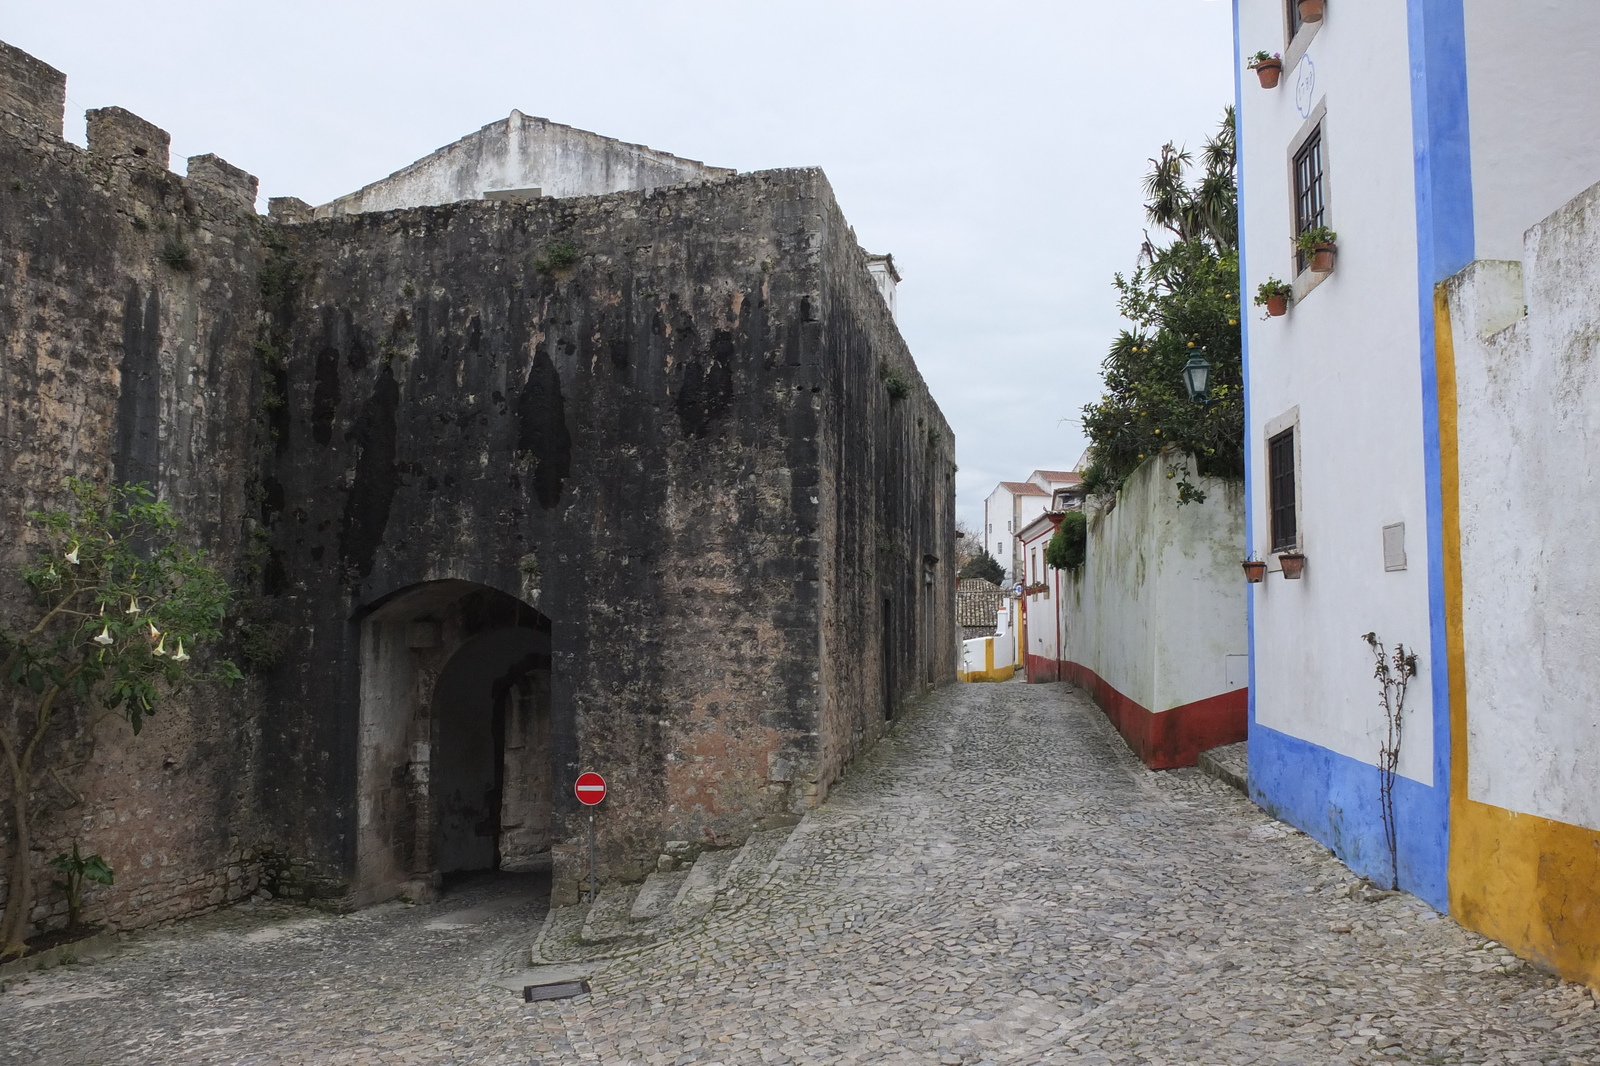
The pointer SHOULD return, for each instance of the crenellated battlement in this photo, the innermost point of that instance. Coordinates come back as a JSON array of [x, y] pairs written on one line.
[[32, 89], [36, 93], [222, 177], [118, 133], [289, 209]]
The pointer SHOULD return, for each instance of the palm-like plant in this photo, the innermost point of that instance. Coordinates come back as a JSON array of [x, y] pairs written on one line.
[[1207, 210]]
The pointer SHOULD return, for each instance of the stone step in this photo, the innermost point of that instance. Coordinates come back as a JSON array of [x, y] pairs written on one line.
[[1229, 764], [607, 919], [656, 895], [698, 893]]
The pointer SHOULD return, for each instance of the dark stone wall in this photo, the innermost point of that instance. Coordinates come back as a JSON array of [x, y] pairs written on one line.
[[680, 424], [122, 358], [887, 481], [637, 393]]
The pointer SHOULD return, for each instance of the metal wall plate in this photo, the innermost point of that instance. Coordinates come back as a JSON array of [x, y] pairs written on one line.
[[555, 990]]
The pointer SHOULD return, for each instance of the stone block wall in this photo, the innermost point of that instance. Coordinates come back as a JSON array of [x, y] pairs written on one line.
[[679, 424], [127, 313], [642, 399]]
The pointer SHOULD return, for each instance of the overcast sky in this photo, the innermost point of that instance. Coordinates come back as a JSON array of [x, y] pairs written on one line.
[[994, 148]]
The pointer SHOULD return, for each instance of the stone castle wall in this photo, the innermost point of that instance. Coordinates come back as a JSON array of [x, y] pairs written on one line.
[[678, 423], [127, 314]]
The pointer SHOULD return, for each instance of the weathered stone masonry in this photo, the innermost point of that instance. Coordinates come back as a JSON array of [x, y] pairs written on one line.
[[115, 363], [672, 436]]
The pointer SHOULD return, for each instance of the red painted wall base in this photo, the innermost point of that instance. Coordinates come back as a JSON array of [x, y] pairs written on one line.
[[1164, 740]]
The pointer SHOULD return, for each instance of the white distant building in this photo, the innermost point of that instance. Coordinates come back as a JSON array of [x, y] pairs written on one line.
[[887, 278], [1014, 504]]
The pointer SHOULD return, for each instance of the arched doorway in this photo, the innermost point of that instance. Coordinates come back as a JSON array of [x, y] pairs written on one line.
[[491, 755], [454, 769]]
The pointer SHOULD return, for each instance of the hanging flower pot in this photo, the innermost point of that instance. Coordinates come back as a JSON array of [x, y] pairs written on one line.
[[1294, 563], [1268, 67], [1320, 247], [1311, 10], [1274, 296], [1255, 571]]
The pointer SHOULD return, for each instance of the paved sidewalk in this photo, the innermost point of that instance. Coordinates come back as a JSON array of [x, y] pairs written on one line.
[[1000, 881]]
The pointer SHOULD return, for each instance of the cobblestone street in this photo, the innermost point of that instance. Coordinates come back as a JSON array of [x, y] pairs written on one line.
[[1000, 881]]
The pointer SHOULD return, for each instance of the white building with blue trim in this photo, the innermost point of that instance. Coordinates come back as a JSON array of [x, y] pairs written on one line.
[[1430, 136]]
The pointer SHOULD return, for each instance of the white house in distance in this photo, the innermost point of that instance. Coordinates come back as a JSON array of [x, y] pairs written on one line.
[[1014, 504], [1456, 331]]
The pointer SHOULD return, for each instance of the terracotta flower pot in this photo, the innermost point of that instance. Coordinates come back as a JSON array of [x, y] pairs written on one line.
[[1293, 564], [1322, 256], [1311, 10], [1269, 71], [1276, 307], [1255, 571]]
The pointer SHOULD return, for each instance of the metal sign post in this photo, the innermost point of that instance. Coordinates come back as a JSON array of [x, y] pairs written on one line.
[[590, 788]]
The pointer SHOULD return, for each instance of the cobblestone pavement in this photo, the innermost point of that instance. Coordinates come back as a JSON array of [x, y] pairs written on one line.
[[998, 882]]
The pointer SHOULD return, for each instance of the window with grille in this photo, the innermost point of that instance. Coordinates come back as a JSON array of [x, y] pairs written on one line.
[[1285, 529], [1310, 202]]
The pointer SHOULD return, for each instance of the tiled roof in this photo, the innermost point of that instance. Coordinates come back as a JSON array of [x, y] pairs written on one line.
[[976, 584], [978, 608], [1022, 488], [1066, 476]]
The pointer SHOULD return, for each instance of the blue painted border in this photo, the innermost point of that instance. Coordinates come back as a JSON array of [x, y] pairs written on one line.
[[1334, 798], [1442, 157], [1244, 358]]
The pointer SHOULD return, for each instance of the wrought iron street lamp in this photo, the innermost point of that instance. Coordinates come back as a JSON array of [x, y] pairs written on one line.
[[1196, 377]]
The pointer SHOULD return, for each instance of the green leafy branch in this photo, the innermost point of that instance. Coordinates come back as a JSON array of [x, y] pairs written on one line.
[[122, 609]]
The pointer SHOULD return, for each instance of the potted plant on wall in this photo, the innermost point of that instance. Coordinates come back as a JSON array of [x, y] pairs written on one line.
[[1293, 563], [1274, 296], [1255, 570], [1311, 10], [1319, 245], [1268, 67]]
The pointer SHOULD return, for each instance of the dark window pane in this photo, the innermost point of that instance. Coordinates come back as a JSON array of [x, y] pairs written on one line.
[[1295, 22], [1280, 489], [1310, 210]]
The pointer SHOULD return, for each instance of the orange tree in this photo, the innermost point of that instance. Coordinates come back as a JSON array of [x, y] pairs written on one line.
[[121, 610], [1182, 300]]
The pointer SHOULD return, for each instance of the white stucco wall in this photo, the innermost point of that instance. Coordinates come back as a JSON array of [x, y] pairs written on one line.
[[1043, 624], [1533, 87], [1005, 515], [1347, 358], [1528, 400], [523, 152], [1158, 607], [1005, 635], [998, 512]]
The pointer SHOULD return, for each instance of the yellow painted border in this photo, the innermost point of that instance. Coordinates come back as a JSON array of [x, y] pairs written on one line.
[[990, 672], [1531, 883]]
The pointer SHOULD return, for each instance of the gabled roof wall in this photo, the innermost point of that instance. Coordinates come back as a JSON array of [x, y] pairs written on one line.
[[522, 152]]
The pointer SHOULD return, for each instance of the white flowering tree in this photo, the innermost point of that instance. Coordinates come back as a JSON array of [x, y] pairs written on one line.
[[120, 611]]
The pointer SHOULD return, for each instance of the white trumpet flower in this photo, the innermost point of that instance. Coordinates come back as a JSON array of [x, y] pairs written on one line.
[[105, 638], [133, 607], [181, 656], [160, 649], [72, 556]]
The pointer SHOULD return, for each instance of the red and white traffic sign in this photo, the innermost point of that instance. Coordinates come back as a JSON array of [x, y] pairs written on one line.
[[590, 788]]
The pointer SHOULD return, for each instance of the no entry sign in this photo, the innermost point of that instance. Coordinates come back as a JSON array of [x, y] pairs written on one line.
[[590, 788]]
